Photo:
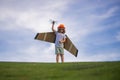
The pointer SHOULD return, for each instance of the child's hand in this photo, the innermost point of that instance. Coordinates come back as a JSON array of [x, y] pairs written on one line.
[[53, 22], [60, 41]]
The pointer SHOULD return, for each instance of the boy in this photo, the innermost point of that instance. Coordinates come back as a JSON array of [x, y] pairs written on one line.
[[59, 42]]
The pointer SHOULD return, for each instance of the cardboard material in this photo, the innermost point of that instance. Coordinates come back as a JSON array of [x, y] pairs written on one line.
[[50, 37]]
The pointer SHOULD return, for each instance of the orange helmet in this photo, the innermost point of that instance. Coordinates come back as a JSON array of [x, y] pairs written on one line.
[[61, 26]]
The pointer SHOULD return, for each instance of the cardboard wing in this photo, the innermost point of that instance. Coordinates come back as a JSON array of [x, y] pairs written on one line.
[[50, 37]]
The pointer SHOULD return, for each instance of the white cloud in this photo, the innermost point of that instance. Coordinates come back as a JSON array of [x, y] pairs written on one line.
[[33, 18], [107, 14], [32, 53], [39, 53], [111, 56]]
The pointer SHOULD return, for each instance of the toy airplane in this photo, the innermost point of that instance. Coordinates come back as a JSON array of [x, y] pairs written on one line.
[[50, 37]]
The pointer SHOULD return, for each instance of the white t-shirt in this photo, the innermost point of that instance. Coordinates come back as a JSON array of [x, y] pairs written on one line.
[[59, 37]]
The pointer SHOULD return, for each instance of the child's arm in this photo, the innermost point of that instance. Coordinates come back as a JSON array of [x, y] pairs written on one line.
[[53, 26]]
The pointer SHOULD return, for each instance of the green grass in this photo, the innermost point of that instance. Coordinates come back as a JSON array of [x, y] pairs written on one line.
[[64, 71]]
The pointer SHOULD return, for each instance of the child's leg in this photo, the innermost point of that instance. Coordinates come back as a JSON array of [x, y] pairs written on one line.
[[57, 57], [62, 57]]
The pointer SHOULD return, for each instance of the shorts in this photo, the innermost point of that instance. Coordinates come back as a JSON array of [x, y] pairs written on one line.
[[59, 50]]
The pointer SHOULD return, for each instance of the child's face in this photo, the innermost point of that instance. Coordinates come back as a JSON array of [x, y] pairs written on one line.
[[61, 30]]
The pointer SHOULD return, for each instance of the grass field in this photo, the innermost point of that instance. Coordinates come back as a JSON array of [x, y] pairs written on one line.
[[64, 71]]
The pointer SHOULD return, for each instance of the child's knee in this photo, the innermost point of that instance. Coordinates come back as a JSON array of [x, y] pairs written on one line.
[[61, 55], [58, 55]]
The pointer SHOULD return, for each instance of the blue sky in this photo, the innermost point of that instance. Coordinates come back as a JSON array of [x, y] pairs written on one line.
[[92, 25]]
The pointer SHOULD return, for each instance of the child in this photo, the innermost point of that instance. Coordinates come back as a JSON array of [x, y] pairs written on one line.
[[59, 42]]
